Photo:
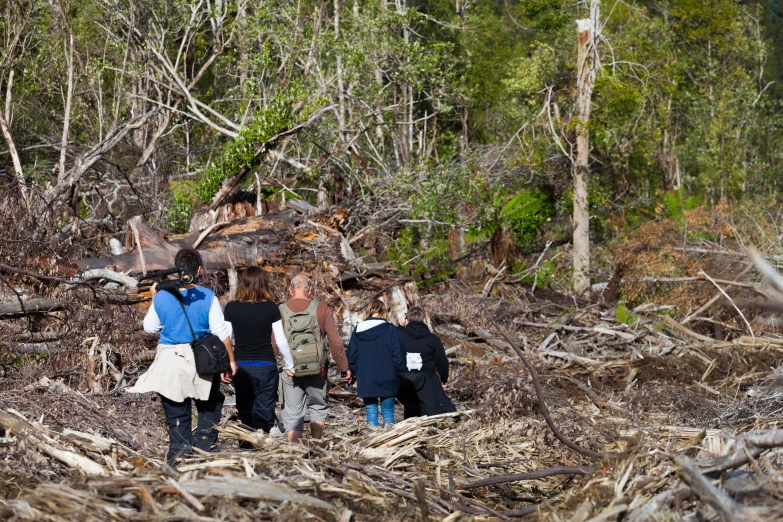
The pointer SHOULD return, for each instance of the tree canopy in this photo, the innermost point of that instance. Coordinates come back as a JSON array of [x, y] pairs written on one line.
[[420, 117]]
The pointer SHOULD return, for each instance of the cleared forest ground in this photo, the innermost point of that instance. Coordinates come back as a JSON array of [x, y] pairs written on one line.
[[667, 417]]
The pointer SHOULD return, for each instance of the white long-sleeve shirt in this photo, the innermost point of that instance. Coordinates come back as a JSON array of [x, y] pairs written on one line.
[[217, 323], [282, 344]]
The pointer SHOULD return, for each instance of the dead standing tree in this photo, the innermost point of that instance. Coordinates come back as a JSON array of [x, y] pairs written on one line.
[[15, 38], [589, 32]]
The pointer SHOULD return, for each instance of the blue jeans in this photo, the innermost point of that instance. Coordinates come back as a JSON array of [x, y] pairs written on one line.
[[371, 409]]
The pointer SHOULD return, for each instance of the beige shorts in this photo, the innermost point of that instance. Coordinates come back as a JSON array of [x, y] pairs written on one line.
[[297, 393]]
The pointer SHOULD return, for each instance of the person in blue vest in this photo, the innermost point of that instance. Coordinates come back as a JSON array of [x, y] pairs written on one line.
[[173, 372], [377, 358]]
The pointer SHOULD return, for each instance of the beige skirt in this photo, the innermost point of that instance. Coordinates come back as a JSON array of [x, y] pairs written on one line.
[[173, 375]]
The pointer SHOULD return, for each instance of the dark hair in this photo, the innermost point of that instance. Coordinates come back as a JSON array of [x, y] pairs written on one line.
[[254, 286], [190, 259], [417, 315]]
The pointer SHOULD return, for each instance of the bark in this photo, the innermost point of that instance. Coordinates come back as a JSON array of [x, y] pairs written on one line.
[[588, 33], [755, 443], [45, 444], [670, 163], [33, 306], [706, 491], [257, 490], [242, 44], [5, 128], [532, 475], [68, 100], [253, 240]]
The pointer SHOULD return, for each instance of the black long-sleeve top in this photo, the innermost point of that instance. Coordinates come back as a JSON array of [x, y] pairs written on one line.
[[417, 339]]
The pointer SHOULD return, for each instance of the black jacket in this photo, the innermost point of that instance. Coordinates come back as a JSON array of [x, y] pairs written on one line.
[[417, 338], [377, 358]]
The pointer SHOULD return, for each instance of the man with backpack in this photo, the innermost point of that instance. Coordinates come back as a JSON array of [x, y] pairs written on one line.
[[310, 328]]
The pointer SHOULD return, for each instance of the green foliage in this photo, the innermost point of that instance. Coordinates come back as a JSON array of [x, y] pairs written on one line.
[[243, 150], [409, 255], [524, 215], [544, 276], [530, 73], [676, 204], [444, 109], [773, 9], [21, 360], [180, 206], [623, 316]]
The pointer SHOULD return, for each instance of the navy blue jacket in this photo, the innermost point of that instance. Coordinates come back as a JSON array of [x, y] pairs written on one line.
[[377, 358]]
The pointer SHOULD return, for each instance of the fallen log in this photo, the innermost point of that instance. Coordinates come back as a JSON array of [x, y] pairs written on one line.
[[45, 445], [253, 241], [755, 443], [102, 273], [34, 337], [42, 305], [532, 475], [33, 306], [255, 489], [554, 326], [284, 243], [35, 348]]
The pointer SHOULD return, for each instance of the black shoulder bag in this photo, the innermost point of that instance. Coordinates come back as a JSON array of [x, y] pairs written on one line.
[[209, 351]]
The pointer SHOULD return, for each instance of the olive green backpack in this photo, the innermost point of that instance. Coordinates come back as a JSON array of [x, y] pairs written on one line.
[[308, 345]]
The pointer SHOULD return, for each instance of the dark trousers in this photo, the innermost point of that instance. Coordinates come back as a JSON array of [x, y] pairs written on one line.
[[409, 399], [422, 394], [179, 420], [256, 388]]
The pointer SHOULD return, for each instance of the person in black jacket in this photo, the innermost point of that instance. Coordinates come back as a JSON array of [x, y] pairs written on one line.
[[421, 389], [377, 359]]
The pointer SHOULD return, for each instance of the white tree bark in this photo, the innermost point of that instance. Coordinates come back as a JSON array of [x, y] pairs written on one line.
[[68, 100], [588, 31], [5, 127]]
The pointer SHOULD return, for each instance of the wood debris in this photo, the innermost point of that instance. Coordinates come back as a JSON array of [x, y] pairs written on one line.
[[635, 416]]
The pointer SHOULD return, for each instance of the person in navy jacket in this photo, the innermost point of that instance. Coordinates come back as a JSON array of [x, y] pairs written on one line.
[[377, 358]]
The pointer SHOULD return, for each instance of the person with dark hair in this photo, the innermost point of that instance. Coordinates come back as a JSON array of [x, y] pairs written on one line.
[[377, 359], [256, 321], [173, 372], [421, 389]]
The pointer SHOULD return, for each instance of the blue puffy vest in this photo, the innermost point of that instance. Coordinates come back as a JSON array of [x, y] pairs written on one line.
[[197, 302]]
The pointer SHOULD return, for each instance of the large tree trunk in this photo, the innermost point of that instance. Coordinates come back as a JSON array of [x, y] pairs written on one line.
[[588, 32], [247, 242], [284, 243]]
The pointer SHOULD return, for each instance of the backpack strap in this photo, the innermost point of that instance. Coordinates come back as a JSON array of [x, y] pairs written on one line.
[[286, 314], [312, 307]]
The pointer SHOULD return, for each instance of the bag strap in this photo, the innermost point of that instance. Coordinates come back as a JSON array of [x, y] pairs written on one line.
[[182, 304], [285, 312]]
